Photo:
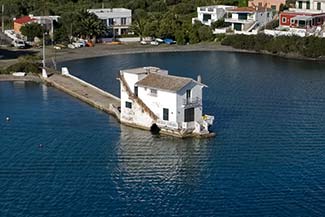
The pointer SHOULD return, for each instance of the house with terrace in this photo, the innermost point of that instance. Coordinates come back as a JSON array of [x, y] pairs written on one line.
[[153, 99], [209, 14], [248, 20], [118, 20]]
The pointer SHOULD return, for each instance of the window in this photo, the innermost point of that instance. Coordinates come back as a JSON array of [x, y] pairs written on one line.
[[318, 6], [124, 31], [123, 21], [165, 114], [284, 19], [292, 21], [206, 17], [110, 21], [188, 94], [242, 16], [153, 92], [300, 4], [307, 5], [128, 105], [189, 115]]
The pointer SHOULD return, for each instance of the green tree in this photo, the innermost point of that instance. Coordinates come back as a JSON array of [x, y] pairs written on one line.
[[90, 26], [180, 37], [205, 33], [139, 22], [32, 30]]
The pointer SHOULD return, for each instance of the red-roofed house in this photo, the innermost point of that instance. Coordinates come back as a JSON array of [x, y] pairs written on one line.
[[19, 22]]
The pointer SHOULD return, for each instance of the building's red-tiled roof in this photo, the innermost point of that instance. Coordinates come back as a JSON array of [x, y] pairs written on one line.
[[23, 20]]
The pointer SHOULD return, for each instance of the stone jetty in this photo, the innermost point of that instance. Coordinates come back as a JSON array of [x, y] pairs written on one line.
[[85, 92]]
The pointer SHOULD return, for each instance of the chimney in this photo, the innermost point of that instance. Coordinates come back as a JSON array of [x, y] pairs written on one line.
[[199, 79]]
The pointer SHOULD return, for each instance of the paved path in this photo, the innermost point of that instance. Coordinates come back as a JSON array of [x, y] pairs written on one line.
[[87, 93]]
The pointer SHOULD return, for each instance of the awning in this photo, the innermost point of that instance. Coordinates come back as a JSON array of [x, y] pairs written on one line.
[[302, 18]]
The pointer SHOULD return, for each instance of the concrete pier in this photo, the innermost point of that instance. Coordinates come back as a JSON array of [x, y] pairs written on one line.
[[85, 92], [28, 77]]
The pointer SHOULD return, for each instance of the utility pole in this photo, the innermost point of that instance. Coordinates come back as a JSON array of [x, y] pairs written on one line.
[[2, 18]]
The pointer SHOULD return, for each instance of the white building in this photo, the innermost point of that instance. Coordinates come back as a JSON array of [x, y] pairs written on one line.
[[209, 14], [314, 5], [151, 98], [249, 19], [117, 19]]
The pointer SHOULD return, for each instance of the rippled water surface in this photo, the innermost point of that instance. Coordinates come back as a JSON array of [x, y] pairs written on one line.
[[61, 157]]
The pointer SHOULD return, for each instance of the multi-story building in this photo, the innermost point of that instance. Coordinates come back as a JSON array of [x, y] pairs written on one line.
[[152, 99], [209, 14], [118, 20], [247, 19]]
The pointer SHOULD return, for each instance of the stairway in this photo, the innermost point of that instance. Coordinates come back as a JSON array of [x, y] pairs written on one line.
[[137, 99]]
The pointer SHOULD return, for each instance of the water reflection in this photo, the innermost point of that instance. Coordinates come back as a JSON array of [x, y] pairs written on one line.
[[144, 157], [44, 93]]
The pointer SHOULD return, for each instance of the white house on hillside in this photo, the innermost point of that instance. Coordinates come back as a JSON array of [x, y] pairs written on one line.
[[249, 19], [150, 98], [118, 19], [209, 14]]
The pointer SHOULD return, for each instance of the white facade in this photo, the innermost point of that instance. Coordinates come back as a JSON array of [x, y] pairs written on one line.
[[249, 19], [313, 5], [209, 14], [118, 19], [150, 96]]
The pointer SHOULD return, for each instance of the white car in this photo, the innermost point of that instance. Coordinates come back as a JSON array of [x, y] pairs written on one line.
[[156, 43], [71, 46], [143, 42], [19, 43]]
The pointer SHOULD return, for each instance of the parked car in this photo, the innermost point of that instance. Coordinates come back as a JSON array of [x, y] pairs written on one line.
[[169, 41], [143, 42], [159, 40], [154, 43], [18, 43], [71, 46]]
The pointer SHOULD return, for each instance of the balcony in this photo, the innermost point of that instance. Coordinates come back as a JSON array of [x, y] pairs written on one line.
[[235, 20], [192, 102]]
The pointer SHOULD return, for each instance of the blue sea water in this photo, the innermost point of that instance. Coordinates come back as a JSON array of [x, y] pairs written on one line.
[[61, 157]]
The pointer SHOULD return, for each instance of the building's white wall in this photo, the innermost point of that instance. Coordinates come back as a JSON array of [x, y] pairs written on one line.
[[126, 113], [263, 17], [196, 92], [135, 115], [116, 14], [163, 99], [217, 12], [234, 16]]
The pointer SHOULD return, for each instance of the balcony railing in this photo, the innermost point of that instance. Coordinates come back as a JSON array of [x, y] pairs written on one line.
[[192, 102]]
